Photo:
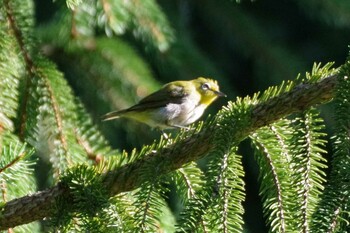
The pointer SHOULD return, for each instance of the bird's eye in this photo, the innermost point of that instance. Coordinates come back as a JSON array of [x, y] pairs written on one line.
[[205, 86]]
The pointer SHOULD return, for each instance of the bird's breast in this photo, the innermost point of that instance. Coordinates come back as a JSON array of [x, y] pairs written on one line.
[[185, 113]]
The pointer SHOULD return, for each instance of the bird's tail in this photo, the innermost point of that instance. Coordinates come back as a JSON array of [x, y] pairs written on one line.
[[112, 115]]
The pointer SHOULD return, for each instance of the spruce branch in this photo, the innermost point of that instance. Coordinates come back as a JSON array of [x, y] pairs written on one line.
[[129, 177], [30, 208], [28, 61], [279, 212]]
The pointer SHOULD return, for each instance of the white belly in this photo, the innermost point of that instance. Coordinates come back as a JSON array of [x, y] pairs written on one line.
[[182, 115], [175, 115]]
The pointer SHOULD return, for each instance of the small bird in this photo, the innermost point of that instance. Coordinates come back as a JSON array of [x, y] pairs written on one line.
[[176, 105]]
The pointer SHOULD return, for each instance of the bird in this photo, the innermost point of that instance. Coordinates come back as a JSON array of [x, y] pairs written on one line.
[[176, 105]]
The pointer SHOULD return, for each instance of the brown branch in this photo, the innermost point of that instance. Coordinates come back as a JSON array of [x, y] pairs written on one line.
[[126, 178], [14, 161], [30, 208], [58, 121], [91, 155], [28, 61]]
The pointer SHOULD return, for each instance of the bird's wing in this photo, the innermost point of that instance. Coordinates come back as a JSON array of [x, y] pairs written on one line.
[[171, 93]]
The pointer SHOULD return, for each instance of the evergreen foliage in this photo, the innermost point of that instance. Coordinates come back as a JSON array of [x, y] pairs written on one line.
[[16, 173], [94, 56], [332, 213]]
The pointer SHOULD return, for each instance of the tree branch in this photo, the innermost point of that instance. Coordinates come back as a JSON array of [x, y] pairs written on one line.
[[39, 205]]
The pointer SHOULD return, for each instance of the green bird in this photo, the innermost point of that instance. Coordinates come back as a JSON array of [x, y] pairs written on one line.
[[176, 105]]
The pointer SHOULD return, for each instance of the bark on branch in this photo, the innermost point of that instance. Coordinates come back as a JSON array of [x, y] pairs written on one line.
[[39, 205]]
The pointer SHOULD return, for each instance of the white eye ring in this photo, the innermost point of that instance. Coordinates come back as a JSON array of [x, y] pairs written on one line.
[[205, 86]]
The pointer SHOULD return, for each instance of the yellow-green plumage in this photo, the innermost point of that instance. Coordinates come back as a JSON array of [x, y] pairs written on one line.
[[176, 104]]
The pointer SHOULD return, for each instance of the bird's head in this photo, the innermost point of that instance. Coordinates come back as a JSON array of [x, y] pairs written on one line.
[[208, 89]]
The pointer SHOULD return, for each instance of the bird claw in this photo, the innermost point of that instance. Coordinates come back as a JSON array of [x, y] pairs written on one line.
[[181, 127], [165, 135]]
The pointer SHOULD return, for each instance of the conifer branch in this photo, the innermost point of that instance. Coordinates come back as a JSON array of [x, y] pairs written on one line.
[[280, 213], [91, 155], [58, 118], [191, 192], [19, 37], [307, 185], [14, 161], [225, 194], [29, 64], [30, 208], [40, 205], [188, 183]]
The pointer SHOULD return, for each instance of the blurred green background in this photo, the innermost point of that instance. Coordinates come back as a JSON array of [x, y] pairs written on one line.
[[247, 46]]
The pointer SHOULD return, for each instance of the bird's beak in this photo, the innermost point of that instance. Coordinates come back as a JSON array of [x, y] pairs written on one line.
[[220, 94]]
